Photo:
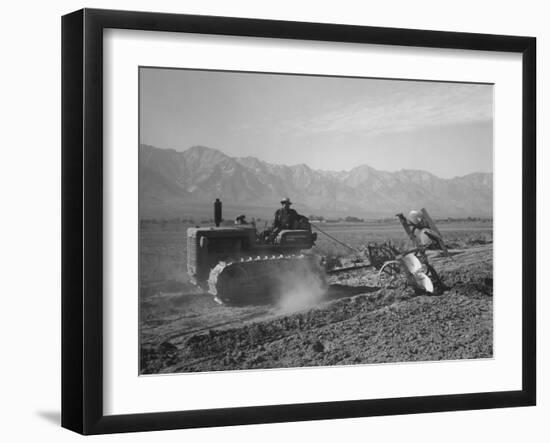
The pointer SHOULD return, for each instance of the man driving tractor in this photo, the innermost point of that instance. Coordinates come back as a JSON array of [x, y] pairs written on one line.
[[285, 217]]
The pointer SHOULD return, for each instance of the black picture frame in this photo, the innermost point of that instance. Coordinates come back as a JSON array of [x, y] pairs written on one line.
[[82, 218]]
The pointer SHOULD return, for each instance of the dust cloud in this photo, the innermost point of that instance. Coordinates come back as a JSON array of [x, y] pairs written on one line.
[[300, 289]]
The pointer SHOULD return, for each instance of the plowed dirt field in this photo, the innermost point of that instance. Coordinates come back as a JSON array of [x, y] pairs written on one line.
[[353, 322]]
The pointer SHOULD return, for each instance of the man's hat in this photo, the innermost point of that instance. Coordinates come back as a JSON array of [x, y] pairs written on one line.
[[286, 200]]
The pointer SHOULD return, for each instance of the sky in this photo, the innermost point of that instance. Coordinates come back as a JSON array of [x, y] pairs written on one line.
[[329, 123]]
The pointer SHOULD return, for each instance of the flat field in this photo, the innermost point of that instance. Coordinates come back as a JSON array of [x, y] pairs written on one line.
[[163, 247], [353, 321]]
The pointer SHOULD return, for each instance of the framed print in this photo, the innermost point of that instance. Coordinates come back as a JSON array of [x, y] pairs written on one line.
[[269, 221]]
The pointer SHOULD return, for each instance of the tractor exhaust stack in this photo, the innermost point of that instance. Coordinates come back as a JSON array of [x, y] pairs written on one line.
[[217, 212]]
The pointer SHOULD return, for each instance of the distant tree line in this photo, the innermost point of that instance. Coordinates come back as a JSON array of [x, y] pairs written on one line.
[[352, 219], [186, 220], [165, 221], [349, 219], [464, 219], [316, 218]]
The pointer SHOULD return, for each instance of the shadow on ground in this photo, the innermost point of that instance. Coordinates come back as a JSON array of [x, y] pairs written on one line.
[[338, 291], [53, 417]]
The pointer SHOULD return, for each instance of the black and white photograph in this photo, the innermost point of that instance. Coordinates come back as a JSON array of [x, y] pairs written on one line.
[[271, 222], [290, 221]]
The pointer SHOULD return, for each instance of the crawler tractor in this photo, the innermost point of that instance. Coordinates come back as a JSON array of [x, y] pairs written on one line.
[[237, 264]]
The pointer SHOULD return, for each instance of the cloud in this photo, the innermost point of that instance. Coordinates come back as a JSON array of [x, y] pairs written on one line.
[[416, 106]]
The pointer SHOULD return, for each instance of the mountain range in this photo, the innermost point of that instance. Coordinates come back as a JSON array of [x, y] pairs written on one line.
[[184, 183]]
